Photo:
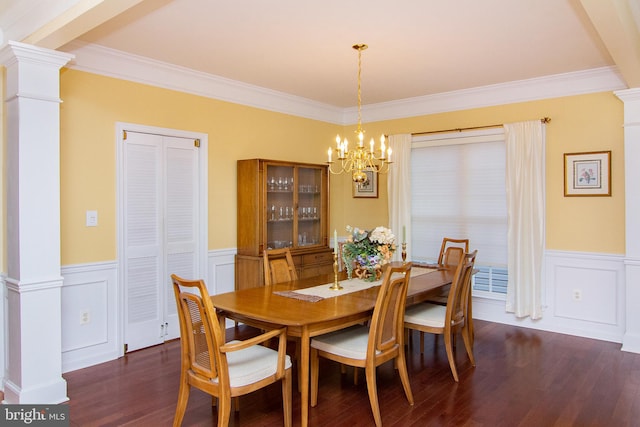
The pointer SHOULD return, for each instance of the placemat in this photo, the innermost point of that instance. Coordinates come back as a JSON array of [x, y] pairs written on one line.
[[320, 292]]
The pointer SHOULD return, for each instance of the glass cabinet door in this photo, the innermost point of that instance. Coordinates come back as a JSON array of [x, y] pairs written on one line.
[[280, 206], [294, 206], [309, 214]]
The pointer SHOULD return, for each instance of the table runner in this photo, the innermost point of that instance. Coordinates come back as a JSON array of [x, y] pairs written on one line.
[[320, 292]]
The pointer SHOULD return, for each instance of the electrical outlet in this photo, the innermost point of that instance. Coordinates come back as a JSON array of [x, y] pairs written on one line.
[[577, 295], [85, 317]]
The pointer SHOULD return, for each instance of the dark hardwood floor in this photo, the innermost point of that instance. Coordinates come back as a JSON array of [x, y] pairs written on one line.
[[523, 377]]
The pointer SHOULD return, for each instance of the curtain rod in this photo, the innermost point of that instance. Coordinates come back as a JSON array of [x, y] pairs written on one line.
[[543, 120]]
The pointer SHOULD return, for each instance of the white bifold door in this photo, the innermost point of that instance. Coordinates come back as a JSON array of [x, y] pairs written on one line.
[[160, 232]]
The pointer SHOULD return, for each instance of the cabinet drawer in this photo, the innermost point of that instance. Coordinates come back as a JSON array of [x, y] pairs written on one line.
[[316, 270], [318, 258]]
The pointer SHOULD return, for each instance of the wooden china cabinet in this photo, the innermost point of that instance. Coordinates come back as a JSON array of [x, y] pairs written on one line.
[[282, 205]]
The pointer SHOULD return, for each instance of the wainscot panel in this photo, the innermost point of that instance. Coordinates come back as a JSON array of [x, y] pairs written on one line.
[[89, 315], [583, 295]]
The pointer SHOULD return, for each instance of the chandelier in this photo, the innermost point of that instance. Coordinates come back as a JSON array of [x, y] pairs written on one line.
[[359, 159]]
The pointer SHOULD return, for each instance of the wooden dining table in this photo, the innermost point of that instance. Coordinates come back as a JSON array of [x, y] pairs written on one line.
[[262, 308]]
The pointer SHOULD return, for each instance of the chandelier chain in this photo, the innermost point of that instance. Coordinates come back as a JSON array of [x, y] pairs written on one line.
[[359, 90]]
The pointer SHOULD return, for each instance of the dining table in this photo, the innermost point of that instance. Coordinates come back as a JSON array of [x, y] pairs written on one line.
[[306, 316]]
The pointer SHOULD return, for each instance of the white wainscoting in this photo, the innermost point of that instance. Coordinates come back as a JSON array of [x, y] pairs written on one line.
[[599, 313], [221, 271], [583, 296], [93, 290]]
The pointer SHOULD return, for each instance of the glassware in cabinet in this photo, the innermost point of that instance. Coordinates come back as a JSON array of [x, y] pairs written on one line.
[[280, 206], [310, 209]]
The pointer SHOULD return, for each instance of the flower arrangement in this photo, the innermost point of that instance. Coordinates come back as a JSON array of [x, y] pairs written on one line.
[[365, 252]]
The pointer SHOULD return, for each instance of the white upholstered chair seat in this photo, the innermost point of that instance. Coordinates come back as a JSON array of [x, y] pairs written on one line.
[[426, 314], [351, 342], [224, 370], [370, 346], [252, 364], [450, 319]]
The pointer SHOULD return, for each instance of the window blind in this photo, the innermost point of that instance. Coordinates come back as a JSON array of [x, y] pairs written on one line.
[[458, 190]]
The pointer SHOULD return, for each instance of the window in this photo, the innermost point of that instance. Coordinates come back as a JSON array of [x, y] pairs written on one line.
[[458, 190]]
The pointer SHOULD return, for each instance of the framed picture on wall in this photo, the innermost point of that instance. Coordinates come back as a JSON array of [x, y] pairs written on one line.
[[587, 174], [369, 188]]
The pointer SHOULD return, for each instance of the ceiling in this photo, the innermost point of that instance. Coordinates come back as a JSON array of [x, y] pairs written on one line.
[[416, 47]]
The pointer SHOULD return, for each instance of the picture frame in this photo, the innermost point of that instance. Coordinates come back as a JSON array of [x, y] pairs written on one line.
[[369, 189], [587, 174]]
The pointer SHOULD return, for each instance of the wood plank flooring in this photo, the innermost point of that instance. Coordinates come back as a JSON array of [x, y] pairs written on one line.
[[523, 377]]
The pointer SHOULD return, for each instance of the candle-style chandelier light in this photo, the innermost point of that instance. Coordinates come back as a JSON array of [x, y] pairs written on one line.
[[359, 159]]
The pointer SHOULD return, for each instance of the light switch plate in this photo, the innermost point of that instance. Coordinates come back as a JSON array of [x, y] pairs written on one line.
[[92, 218]]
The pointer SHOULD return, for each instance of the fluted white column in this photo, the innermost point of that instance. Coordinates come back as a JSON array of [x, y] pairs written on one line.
[[631, 99], [33, 371]]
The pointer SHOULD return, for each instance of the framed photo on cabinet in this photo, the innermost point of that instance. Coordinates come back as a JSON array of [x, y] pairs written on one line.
[[587, 174], [369, 188]]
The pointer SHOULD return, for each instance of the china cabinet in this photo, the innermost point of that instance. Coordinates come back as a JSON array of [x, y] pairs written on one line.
[[282, 205]]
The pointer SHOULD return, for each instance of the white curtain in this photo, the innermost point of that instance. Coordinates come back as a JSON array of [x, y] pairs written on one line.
[[525, 144], [399, 188]]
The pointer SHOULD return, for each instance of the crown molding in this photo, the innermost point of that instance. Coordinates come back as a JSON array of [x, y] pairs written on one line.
[[628, 94], [121, 65], [602, 79], [113, 63]]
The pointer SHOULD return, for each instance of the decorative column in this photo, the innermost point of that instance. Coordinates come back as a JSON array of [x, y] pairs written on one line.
[[33, 342], [631, 99]]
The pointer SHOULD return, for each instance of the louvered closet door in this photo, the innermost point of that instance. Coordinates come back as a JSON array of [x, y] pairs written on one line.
[[181, 221], [160, 206]]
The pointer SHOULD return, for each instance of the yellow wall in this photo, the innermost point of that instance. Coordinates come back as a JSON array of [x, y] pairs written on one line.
[[578, 123], [93, 104]]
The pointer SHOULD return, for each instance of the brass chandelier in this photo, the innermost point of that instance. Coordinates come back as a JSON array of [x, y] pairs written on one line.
[[359, 159]]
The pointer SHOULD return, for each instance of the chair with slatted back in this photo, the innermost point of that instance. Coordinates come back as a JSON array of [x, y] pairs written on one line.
[[370, 346], [223, 370], [450, 319], [278, 266]]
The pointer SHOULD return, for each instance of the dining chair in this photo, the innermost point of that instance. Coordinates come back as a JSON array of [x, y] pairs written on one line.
[[278, 266], [447, 242], [451, 250], [223, 370], [370, 346], [449, 319]]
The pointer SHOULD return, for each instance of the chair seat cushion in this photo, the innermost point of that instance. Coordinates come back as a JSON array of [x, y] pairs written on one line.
[[426, 314], [252, 364], [351, 342]]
